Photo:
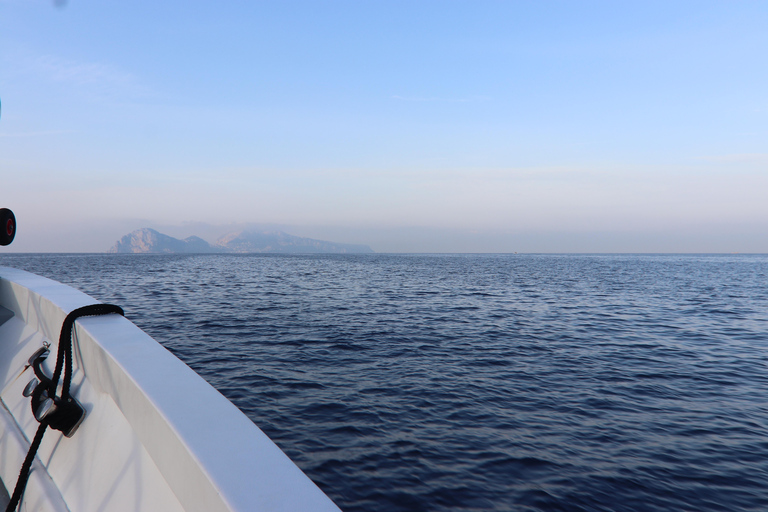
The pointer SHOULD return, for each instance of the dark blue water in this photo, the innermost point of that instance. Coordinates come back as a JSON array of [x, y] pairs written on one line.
[[488, 382]]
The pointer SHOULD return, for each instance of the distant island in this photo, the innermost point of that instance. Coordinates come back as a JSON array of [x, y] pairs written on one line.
[[148, 240]]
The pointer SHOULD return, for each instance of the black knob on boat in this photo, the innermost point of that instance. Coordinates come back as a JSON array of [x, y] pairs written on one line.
[[46, 408], [30, 387], [7, 226], [40, 353]]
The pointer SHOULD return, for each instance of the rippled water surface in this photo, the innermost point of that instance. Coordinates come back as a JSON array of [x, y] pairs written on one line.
[[487, 382]]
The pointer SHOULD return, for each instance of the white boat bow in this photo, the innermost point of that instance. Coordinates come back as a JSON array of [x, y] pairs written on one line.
[[156, 436]]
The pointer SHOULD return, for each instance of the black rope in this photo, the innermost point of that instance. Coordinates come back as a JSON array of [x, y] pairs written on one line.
[[64, 355], [21, 483], [65, 343]]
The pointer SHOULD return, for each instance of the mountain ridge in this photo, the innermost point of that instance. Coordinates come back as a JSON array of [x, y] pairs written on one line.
[[150, 241]]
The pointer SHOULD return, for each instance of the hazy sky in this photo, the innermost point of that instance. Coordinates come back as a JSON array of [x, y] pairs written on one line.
[[531, 126]]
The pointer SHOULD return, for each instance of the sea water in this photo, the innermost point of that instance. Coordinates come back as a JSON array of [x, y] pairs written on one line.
[[475, 382]]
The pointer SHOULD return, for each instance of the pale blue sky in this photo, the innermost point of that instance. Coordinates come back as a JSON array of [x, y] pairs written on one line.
[[409, 126]]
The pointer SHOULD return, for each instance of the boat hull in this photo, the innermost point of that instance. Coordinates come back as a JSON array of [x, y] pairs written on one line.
[[156, 436]]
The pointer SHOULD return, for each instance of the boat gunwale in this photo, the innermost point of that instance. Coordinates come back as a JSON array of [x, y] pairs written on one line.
[[212, 457]]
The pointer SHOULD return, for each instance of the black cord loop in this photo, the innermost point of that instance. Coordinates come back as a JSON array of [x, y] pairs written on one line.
[[62, 419]]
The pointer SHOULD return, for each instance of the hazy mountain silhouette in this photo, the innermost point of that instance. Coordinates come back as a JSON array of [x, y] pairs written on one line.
[[279, 241], [148, 240]]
